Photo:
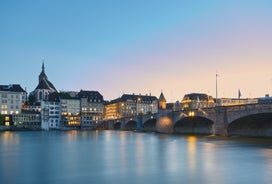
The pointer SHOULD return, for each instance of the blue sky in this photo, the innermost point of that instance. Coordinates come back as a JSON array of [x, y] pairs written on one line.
[[139, 46]]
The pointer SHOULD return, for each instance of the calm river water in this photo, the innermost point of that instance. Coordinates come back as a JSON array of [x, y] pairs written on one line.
[[131, 158]]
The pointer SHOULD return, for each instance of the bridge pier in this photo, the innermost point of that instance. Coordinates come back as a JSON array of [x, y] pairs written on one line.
[[221, 121], [140, 123]]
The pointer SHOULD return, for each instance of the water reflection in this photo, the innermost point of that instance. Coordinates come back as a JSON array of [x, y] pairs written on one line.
[[192, 153], [130, 157], [9, 138]]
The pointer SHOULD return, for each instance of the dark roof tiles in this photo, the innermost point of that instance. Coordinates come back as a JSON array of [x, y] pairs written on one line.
[[91, 95], [12, 87]]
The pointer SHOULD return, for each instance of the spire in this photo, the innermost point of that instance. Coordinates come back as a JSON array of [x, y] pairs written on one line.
[[43, 66], [42, 74]]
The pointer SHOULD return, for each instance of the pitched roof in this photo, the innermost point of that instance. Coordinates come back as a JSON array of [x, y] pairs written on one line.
[[12, 87], [143, 98], [54, 97], [91, 95], [162, 98], [46, 84], [196, 96], [126, 97]]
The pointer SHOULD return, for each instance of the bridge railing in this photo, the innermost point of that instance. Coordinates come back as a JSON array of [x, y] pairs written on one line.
[[248, 107]]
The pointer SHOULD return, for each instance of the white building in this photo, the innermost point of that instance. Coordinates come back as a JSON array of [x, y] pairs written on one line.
[[51, 112], [11, 99]]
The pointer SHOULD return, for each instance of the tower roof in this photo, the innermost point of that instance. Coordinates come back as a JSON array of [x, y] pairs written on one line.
[[44, 83], [162, 98], [42, 74]]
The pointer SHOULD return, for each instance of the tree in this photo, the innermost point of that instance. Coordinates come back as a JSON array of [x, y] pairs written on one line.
[[2, 119]]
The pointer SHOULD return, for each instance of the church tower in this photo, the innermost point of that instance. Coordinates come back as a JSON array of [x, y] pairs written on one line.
[[42, 74], [44, 88]]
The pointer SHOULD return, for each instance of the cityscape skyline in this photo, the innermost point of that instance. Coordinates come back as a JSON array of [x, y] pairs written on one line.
[[138, 47]]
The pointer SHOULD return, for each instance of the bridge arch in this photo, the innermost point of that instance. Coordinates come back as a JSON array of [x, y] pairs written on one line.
[[254, 125], [117, 125], [150, 125], [131, 125], [194, 125]]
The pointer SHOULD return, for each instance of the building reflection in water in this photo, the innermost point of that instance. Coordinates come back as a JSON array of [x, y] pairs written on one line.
[[9, 138], [72, 136], [192, 153]]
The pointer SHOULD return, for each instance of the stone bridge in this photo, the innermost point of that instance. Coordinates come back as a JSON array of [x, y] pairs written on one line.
[[241, 120]]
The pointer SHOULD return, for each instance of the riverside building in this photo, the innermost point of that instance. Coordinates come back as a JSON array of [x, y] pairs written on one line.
[[12, 97], [131, 105]]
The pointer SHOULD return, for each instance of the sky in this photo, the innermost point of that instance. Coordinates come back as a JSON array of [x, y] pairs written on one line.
[[139, 46]]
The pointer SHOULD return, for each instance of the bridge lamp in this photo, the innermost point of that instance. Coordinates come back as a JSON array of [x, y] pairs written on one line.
[[191, 114]]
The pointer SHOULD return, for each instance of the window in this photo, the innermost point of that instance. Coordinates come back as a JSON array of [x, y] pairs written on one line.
[[4, 95], [40, 95]]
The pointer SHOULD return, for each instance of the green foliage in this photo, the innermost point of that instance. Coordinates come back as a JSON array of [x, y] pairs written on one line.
[[2, 118], [64, 95]]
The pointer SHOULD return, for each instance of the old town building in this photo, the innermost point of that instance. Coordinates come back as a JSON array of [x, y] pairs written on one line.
[[131, 105]]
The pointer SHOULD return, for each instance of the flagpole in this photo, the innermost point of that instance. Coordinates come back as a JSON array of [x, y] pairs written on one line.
[[216, 89]]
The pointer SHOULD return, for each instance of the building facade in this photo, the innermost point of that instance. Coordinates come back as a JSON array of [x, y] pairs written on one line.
[[11, 99], [91, 106], [51, 112], [197, 100], [131, 105], [70, 111], [27, 120]]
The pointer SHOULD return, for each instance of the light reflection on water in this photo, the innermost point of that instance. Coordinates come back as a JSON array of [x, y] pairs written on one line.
[[131, 157]]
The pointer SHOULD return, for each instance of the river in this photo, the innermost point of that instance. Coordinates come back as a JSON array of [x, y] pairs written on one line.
[[57, 157]]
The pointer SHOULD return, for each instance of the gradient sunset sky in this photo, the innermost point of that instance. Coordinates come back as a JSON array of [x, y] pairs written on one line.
[[139, 46]]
